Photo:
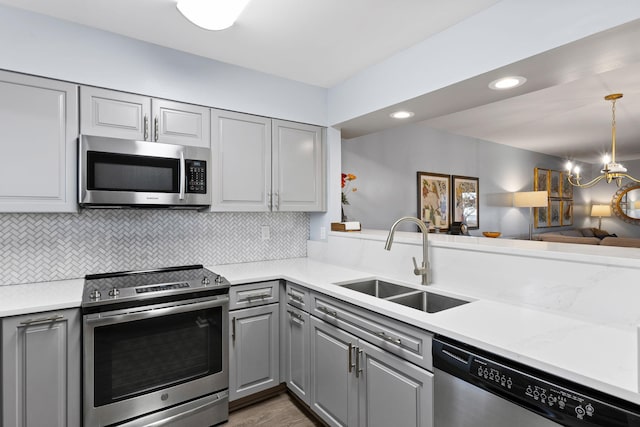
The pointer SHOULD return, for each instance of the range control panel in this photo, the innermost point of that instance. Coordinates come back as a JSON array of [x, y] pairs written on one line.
[[547, 395], [196, 176]]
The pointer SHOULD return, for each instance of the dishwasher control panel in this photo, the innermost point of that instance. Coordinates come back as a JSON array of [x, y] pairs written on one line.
[[547, 395]]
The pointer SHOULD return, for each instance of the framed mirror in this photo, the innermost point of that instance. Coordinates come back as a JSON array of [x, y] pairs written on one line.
[[626, 203]]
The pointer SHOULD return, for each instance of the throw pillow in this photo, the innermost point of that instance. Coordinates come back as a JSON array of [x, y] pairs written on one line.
[[600, 234]]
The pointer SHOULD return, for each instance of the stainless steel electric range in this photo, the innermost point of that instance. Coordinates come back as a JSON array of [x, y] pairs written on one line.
[[155, 348]]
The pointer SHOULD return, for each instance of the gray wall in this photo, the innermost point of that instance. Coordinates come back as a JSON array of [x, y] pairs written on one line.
[[386, 164]]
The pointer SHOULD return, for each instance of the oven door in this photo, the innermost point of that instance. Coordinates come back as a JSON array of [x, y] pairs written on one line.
[[145, 359]]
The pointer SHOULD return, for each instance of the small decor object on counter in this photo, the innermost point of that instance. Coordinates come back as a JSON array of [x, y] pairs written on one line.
[[346, 226], [492, 234], [346, 180], [433, 199]]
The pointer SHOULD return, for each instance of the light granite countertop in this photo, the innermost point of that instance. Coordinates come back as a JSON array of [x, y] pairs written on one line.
[[595, 355]]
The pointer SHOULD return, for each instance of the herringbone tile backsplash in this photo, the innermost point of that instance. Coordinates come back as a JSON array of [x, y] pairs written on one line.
[[43, 247]]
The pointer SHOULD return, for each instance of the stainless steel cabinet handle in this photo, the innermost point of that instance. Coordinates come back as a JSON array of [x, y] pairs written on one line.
[[260, 296], [327, 311], [39, 320], [351, 365], [233, 329], [294, 314], [146, 127], [358, 369], [155, 129], [388, 338], [296, 297]]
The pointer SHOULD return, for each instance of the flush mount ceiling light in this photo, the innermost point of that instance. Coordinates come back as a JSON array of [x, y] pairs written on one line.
[[212, 14], [507, 82], [402, 114], [612, 170]]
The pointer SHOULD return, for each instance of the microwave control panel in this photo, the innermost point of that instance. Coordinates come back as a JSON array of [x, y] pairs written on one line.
[[196, 176]]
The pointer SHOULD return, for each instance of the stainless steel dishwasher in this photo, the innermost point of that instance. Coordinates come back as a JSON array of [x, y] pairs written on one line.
[[473, 388]]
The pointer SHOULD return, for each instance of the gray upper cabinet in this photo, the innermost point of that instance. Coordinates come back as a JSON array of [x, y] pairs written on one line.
[[241, 156], [39, 122], [266, 165], [298, 167], [116, 114], [41, 360], [178, 123]]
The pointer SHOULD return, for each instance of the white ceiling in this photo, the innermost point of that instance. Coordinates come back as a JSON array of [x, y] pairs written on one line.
[[559, 111], [319, 42]]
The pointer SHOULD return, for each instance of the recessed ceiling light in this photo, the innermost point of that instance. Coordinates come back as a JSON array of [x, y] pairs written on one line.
[[212, 15], [402, 114], [507, 82]]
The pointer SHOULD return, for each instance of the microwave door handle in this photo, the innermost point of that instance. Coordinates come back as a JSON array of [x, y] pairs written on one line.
[[182, 176]]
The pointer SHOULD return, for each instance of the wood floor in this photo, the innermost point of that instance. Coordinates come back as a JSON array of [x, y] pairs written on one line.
[[278, 411]]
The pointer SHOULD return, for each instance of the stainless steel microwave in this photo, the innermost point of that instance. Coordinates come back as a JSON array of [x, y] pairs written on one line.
[[125, 173]]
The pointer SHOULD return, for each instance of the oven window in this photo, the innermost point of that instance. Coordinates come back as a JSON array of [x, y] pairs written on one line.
[[133, 358], [121, 172]]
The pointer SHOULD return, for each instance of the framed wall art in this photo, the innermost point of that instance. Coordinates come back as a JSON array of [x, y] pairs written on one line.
[[555, 180], [540, 179], [555, 213], [465, 198], [567, 212], [433, 199], [541, 217], [566, 188]]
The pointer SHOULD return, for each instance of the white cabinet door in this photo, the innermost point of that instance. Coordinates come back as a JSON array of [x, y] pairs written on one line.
[[393, 392], [334, 386], [254, 351], [298, 182], [178, 123], [114, 114], [39, 131], [41, 370], [297, 352], [241, 159]]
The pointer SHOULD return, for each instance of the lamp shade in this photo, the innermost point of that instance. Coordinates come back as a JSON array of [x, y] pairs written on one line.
[[530, 199], [636, 204], [600, 210]]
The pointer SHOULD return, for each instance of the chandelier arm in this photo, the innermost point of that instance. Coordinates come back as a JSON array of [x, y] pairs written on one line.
[[630, 177], [591, 183]]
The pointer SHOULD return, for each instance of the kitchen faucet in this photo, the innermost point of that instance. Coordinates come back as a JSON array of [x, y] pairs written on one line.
[[424, 267]]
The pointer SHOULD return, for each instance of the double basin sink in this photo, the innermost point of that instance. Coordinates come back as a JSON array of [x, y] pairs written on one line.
[[426, 301]]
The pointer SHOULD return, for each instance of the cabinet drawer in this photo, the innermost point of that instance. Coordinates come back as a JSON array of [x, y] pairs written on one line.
[[253, 295], [410, 343], [298, 296]]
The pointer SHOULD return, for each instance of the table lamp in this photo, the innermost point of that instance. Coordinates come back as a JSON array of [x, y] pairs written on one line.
[[600, 211], [530, 199]]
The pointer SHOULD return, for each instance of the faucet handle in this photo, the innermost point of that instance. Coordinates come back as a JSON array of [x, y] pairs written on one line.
[[417, 271]]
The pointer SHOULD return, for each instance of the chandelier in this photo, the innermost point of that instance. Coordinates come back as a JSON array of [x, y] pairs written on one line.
[[612, 170]]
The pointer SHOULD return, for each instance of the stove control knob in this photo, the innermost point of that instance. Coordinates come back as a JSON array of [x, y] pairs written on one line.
[[206, 281], [219, 279], [114, 292], [95, 294]]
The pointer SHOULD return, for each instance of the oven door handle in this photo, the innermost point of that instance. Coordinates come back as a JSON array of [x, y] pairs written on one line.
[[120, 316]]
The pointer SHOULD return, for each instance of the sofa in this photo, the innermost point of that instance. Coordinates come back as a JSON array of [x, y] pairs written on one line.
[[588, 236]]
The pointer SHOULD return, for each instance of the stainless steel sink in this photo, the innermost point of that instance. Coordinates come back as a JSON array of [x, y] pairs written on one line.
[[409, 297], [377, 288], [428, 301]]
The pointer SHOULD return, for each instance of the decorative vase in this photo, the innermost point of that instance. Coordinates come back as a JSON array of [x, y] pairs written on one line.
[[344, 217]]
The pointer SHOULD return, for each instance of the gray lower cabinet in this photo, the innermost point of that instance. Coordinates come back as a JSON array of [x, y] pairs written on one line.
[[254, 350], [41, 360], [297, 352], [354, 383]]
